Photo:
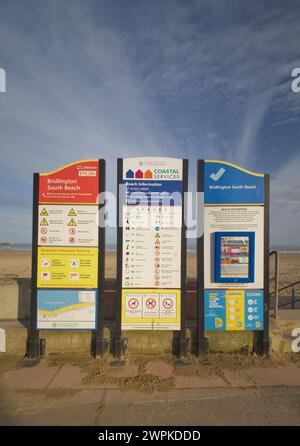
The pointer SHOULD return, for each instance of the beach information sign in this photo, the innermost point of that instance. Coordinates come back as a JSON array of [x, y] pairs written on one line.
[[67, 248], [151, 250], [233, 253]]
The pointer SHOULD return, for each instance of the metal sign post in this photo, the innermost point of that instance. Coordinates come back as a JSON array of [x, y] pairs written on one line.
[[118, 342], [34, 344], [265, 338], [101, 344], [202, 341]]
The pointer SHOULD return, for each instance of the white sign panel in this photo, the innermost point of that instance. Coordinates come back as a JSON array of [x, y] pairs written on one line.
[[68, 225], [152, 169], [151, 255], [233, 218]]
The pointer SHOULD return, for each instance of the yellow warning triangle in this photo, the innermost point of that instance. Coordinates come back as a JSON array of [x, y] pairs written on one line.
[[44, 222], [72, 222], [44, 212], [72, 213]]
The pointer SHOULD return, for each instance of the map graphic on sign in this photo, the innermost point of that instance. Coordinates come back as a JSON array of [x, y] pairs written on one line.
[[66, 309]]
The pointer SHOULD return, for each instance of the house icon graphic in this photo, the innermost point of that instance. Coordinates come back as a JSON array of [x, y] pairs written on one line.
[[129, 174], [148, 174], [139, 174]]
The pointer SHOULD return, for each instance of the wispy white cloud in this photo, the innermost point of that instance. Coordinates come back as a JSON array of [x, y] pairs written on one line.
[[194, 79]]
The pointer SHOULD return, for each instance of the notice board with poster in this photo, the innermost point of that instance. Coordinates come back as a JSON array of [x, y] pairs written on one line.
[[233, 253], [68, 256], [151, 248]]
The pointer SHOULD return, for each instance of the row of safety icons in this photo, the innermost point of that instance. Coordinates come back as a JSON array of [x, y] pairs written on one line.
[[71, 226], [130, 255], [46, 275], [150, 217], [151, 303], [46, 263]]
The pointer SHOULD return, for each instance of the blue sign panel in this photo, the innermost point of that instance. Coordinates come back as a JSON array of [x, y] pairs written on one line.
[[153, 192], [233, 310], [254, 310], [215, 309], [226, 183]]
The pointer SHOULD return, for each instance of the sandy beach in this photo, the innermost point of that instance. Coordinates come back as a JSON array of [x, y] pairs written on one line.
[[18, 264]]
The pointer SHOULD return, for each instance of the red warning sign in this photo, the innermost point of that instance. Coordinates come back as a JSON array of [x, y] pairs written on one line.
[[75, 183]]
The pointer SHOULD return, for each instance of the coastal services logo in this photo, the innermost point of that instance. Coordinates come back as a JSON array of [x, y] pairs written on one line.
[[2, 80], [154, 174]]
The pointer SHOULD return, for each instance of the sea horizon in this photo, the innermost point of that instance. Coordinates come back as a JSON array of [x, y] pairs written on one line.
[[110, 247]]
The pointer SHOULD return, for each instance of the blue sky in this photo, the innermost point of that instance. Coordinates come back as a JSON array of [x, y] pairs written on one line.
[[195, 79]]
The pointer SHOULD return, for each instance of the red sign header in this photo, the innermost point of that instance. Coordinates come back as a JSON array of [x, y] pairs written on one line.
[[75, 183]]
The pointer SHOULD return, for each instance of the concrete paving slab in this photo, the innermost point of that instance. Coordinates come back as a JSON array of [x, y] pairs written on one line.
[[129, 371], [68, 377], [37, 377], [237, 378], [197, 382], [280, 376], [161, 369]]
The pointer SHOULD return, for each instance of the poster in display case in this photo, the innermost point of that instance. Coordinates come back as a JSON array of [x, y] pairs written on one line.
[[234, 257]]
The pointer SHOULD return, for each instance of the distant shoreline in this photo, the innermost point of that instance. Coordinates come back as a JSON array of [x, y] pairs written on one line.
[[12, 246]]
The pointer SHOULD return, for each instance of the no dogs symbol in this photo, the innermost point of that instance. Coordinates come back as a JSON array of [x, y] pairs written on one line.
[[133, 303], [150, 303]]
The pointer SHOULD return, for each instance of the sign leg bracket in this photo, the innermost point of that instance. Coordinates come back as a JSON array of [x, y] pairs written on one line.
[[119, 347], [202, 347], [35, 350]]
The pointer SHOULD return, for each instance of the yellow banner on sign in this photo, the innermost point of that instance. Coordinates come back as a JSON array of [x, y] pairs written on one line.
[[235, 309], [67, 267], [151, 309]]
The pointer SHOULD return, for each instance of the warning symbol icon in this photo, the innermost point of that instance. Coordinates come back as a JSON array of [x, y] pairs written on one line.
[[44, 212], [72, 222], [72, 213], [44, 222]]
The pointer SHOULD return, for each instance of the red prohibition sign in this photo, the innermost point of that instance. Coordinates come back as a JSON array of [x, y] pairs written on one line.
[[150, 303], [167, 303], [43, 239], [44, 230], [72, 231], [72, 240], [133, 303]]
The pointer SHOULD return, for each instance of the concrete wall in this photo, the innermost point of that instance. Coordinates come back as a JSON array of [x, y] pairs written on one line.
[[15, 315], [14, 299]]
